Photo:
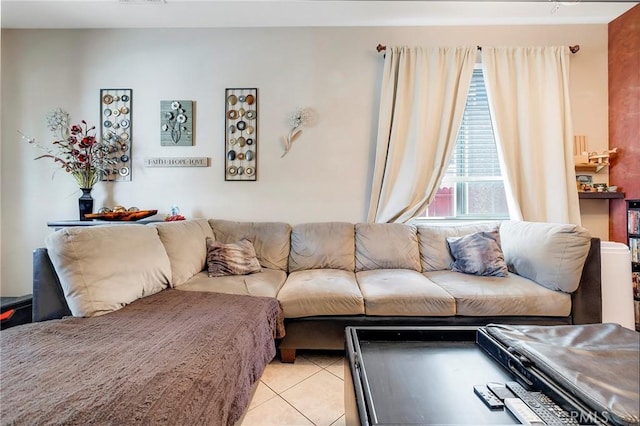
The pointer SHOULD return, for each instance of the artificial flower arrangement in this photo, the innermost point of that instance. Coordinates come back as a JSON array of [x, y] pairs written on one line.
[[76, 149]]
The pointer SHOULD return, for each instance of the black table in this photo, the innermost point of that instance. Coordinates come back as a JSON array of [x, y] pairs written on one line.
[[418, 376]]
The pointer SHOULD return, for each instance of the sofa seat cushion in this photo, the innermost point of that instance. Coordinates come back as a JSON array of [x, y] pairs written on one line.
[[501, 296], [104, 268], [326, 245], [271, 240], [185, 244], [321, 292], [266, 283], [403, 292]]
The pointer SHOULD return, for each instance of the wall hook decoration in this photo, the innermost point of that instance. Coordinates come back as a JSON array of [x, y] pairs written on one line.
[[297, 120]]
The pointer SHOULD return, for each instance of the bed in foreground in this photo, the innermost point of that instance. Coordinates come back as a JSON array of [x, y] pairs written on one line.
[[172, 358]]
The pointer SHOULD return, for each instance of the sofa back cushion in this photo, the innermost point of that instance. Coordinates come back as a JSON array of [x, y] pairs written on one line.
[[271, 240], [327, 245], [185, 243], [103, 268], [434, 250], [550, 254], [386, 246]]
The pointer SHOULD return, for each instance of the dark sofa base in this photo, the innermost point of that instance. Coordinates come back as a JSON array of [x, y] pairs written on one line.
[[327, 333]]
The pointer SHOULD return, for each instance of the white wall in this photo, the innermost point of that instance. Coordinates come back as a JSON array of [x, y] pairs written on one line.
[[326, 176]]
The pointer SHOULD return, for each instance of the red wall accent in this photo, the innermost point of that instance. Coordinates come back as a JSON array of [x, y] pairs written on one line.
[[624, 115]]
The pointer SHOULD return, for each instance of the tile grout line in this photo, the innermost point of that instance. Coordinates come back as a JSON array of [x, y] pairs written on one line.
[[297, 383], [319, 366], [279, 394], [266, 400], [299, 412], [336, 420], [314, 374]]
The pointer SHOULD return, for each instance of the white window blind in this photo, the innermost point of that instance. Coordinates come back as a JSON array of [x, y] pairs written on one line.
[[475, 155], [472, 187]]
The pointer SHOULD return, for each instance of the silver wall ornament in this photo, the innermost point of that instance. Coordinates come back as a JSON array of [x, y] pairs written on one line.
[[176, 123], [297, 120], [116, 131], [241, 134]]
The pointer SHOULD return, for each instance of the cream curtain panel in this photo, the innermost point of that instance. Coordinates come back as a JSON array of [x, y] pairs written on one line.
[[528, 91], [422, 101]]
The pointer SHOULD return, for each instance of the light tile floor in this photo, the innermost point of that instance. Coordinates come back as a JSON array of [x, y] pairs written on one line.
[[307, 392]]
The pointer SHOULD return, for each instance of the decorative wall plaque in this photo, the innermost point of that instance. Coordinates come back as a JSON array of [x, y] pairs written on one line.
[[176, 162], [176, 123], [116, 130], [241, 134]]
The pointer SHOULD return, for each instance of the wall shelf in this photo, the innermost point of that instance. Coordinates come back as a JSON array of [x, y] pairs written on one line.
[[594, 195], [590, 167]]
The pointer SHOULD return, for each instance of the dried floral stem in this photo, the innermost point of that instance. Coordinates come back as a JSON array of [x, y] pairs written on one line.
[[77, 151], [289, 139]]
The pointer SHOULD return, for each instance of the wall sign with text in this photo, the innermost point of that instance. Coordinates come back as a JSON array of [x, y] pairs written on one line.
[[176, 162]]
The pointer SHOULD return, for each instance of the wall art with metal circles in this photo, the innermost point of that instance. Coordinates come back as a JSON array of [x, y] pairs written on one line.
[[241, 134], [116, 131], [176, 123]]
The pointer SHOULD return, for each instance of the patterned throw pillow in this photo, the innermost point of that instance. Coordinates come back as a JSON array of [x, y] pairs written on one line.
[[478, 254], [237, 258]]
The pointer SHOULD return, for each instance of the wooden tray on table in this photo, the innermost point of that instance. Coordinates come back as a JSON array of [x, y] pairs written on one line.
[[121, 216]]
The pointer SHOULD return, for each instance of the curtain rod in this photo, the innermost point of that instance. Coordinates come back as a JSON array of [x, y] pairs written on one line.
[[573, 49]]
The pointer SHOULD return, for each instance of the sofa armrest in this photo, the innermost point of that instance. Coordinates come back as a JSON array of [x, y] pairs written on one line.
[[48, 297], [586, 301]]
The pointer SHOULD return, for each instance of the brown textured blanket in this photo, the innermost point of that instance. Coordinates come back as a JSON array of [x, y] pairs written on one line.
[[174, 358]]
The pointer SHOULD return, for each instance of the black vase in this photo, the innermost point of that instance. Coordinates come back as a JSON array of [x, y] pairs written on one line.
[[85, 203]]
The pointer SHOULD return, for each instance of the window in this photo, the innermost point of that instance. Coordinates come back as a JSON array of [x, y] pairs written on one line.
[[472, 187]]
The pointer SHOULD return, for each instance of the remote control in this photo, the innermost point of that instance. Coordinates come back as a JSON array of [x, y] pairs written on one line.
[[487, 397], [542, 406], [500, 390], [522, 412]]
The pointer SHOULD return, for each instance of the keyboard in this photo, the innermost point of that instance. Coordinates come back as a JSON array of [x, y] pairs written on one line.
[[548, 411]]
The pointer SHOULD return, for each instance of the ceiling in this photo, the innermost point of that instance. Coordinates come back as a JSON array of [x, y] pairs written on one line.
[[300, 13]]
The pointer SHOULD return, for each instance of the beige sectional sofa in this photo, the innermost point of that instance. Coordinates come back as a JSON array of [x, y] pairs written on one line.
[[330, 275]]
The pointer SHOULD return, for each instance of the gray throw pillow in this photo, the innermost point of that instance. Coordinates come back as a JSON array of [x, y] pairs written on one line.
[[237, 258], [478, 254]]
